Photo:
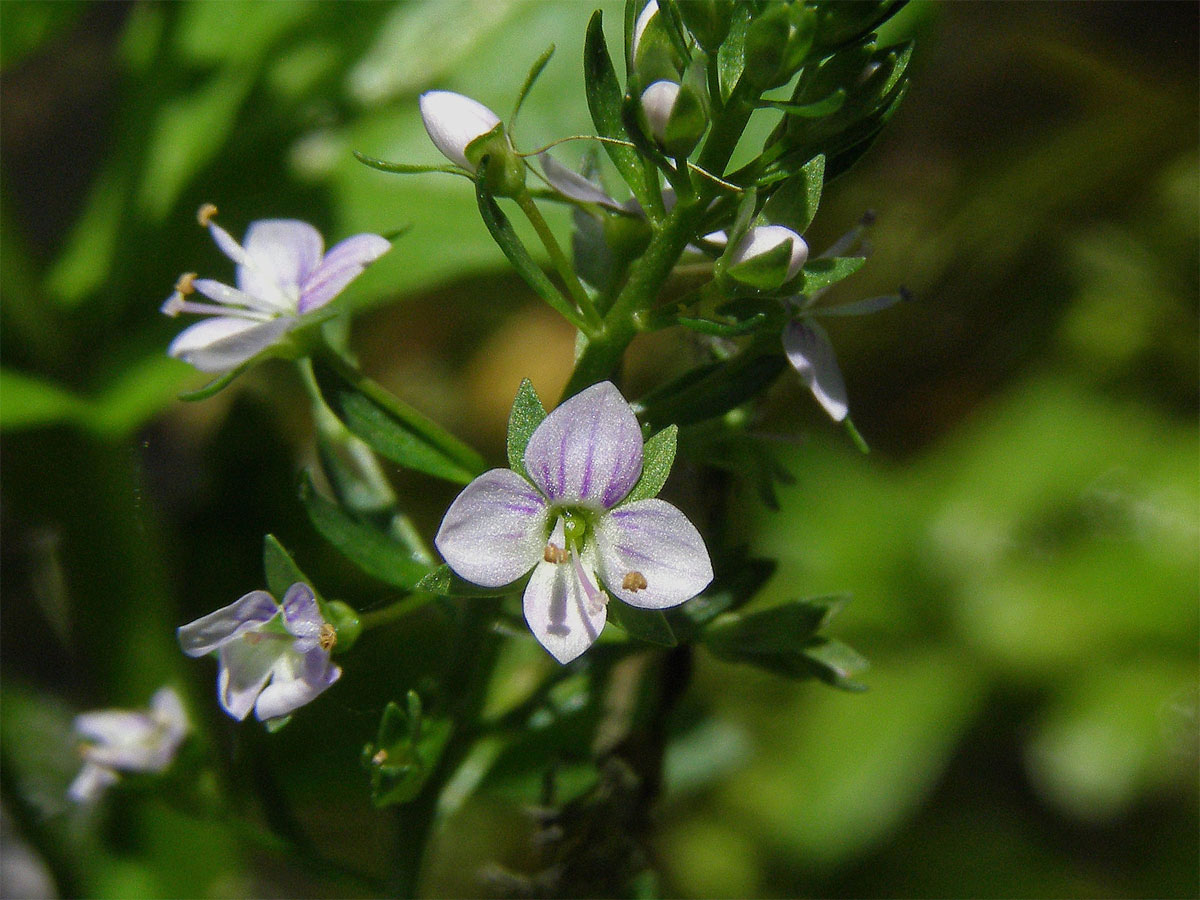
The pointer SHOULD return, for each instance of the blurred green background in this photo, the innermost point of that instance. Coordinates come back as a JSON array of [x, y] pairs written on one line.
[[1021, 545]]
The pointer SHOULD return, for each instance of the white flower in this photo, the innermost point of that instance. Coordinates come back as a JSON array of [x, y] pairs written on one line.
[[761, 240], [453, 121], [282, 273], [119, 740], [658, 102], [271, 658]]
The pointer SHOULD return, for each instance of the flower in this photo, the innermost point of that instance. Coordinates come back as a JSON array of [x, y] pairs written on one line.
[[272, 658], [811, 354], [572, 524], [755, 245], [120, 740], [282, 273], [658, 102], [453, 121]]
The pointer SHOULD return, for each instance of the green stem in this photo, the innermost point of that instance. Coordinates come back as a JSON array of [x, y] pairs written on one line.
[[559, 259], [386, 615]]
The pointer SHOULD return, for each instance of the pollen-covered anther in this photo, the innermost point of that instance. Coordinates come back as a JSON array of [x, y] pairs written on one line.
[[553, 554], [633, 582], [327, 637], [380, 757], [204, 215]]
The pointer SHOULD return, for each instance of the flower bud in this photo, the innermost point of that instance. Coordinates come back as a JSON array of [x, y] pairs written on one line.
[[768, 256], [453, 121], [653, 55], [674, 116]]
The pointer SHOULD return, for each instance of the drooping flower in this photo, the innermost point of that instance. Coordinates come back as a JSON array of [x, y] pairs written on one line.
[[282, 274], [453, 121], [571, 523], [121, 740], [272, 658]]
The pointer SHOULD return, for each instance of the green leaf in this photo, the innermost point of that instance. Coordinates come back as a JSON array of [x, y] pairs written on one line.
[[835, 663], [814, 110], [731, 57], [527, 414], [502, 232], [711, 390], [30, 401], [723, 329], [393, 429], [215, 386], [405, 751], [604, 100], [281, 570], [738, 580], [409, 168], [819, 274], [658, 454], [371, 550], [795, 202], [442, 582], [530, 80], [648, 625]]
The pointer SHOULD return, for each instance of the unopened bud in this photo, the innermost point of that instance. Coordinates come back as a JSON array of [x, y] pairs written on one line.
[[454, 121], [674, 116], [761, 260]]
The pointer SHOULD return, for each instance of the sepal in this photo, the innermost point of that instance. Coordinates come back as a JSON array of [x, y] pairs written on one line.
[[405, 751]]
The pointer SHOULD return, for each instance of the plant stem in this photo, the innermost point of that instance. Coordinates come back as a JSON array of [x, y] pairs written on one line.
[[559, 259], [386, 615]]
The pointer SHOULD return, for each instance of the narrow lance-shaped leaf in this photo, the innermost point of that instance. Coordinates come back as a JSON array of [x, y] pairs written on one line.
[[527, 414], [535, 72], [371, 550], [604, 100], [281, 570], [658, 454], [649, 625], [818, 274], [408, 168], [795, 202]]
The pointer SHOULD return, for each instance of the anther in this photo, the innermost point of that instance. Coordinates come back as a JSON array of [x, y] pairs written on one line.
[[327, 637], [553, 554], [633, 582], [184, 284], [380, 758], [205, 214]]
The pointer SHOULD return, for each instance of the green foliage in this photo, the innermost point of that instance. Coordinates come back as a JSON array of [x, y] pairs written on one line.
[[281, 570], [526, 415], [658, 455], [405, 752], [604, 101]]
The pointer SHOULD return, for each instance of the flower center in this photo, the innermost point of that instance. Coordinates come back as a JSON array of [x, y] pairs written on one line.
[[577, 525]]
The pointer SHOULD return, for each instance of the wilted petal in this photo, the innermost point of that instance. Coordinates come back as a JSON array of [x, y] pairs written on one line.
[[282, 254], [244, 667], [224, 342], [652, 541], [589, 450], [495, 530], [342, 264], [558, 611], [90, 783], [573, 185], [301, 616], [296, 679], [209, 632], [453, 121], [811, 354]]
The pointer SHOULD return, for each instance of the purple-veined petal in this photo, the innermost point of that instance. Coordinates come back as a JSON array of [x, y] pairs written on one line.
[[281, 254], [296, 679], [495, 530], [343, 263], [573, 185], [90, 783], [453, 121], [244, 665], [301, 616], [811, 354], [558, 611], [248, 613], [589, 450], [231, 296], [225, 342], [654, 540]]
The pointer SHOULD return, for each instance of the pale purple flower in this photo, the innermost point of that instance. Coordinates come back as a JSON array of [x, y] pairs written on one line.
[[811, 354], [453, 121], [271, 658], [571, 524], [121, 740], [282, 274]]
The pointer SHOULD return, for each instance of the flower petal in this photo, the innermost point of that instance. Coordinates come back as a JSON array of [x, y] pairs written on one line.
[[302, 616], [453, 121], [573, 185], [231, 296], [559, 613], [281, 255], [247, 613], [342, 264], [296, 679], [589, 450], [495, 530], [90, 783], [244, 667], [112, 726], [224, 342], [653, 539], [811, 354]]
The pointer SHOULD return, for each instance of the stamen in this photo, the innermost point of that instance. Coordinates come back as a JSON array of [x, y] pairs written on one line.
[[173, 305], [327, 637], [176, 305], [634, 582], [554, 554], [380, 758], [205, 213], [597, 599], [184, 284]]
